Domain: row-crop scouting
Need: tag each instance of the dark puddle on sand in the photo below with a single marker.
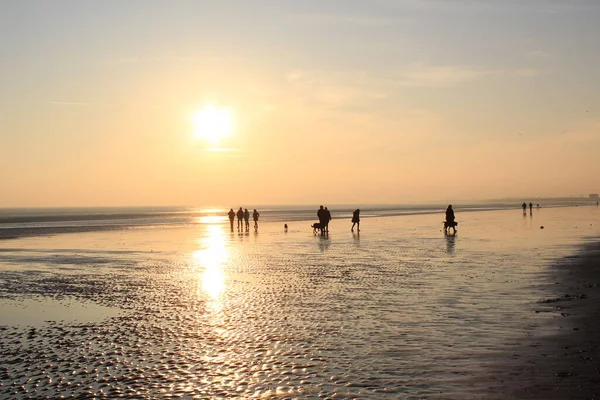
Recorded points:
(40, 310)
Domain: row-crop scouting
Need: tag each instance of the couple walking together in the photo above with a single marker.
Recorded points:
(243, 217)
(324, 216)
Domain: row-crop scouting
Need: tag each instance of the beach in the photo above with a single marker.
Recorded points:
(503, 309)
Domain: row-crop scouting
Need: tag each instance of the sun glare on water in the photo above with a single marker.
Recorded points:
(212, 124)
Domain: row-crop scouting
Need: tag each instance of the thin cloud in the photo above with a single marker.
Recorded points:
(221, 150)
(335, 89)
(538, 54)
(337, 19)
(450, 76)
(69, 103)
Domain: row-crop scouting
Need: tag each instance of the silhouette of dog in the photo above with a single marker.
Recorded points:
(318, 227)
(448, 225)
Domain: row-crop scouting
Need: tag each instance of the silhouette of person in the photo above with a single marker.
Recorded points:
(450, 222)
(231, 214)
(450, 214)
(327, 219)
(321, 215)
(247, 218)
(356, 220)
(255, 216)
(285, 227)
(524, 205)
(240, 217)
(530, 208)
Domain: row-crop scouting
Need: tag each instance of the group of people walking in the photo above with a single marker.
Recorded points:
(524, 206)
(243, 218)
(324, 216)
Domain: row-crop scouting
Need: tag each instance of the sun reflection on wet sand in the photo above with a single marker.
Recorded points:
(211, 257)
(212, 219)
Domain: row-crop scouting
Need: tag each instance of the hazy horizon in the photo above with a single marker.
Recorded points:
(111, 103)
(461, 202)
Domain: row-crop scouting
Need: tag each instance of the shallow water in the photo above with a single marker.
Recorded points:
(399, 311)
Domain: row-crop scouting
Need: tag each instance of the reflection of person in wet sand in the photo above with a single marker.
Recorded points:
(247, 218)
(450, 244)
(356, 220)
(240, 217)
(231, 214)
(255, 216)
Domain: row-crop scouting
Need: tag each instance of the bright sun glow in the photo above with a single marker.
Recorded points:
(212, 124)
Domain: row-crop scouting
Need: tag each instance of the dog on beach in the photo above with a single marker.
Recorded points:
(448, 225)
(318, 227)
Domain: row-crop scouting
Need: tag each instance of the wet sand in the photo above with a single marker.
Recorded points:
(400, 311)
(565, 362)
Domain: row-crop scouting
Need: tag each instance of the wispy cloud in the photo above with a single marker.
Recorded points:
(221, 150)
(456, 75)
(538, 54)
(69, 103)
(335, 89)
(338, 19)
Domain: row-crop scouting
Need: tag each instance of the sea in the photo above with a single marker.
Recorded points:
(173, 303)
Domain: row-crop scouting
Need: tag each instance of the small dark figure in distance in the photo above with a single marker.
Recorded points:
(524, 205)
(240, 218)
(356, 220)
(530, 208)
(318, 228)
(247, 218)
(231, 215)
(285, 227)
(450, 222)
(255, 216)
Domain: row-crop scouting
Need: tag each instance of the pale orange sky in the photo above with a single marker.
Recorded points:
(335, 102)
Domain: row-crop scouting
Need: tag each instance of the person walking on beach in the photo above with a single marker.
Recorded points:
(231, 214)
(450, 222)
(356, 220)
(321, 214)
(240, 217)
(450, 214)
(524, 205)
(255, 216)
(327, 219)
(247, 219)
(530, 208)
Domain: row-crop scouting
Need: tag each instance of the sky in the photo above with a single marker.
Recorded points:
(331, 101)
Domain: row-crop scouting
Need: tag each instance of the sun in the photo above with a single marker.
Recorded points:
(212, 123)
